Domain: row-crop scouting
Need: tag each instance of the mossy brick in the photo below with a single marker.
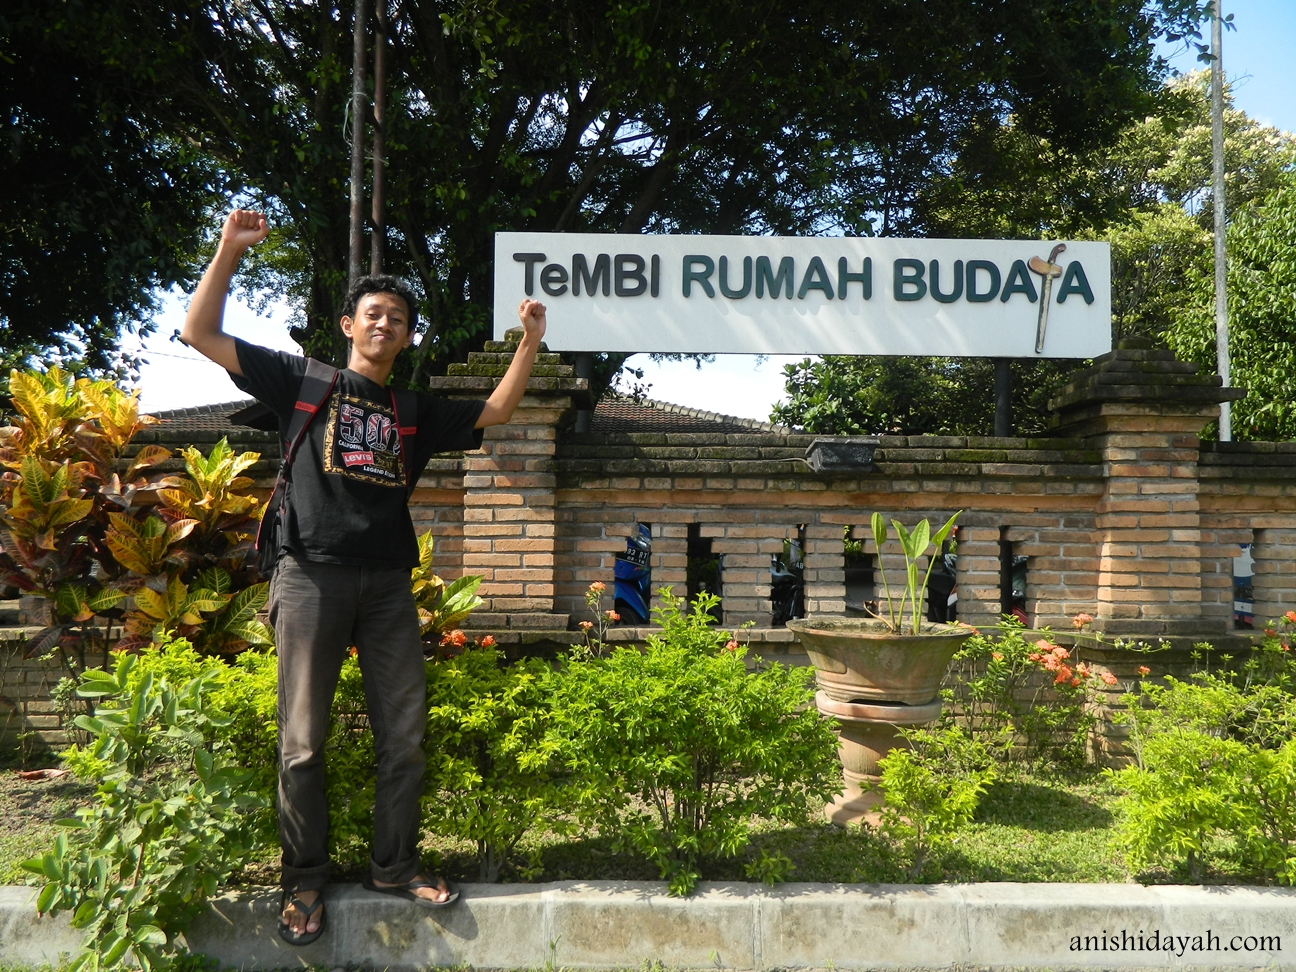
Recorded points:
(977, 455)
(695, 438)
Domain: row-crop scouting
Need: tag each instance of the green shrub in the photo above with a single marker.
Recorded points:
(932, 788)
(169, 827)
(244, 690)
(489, 774)
(1215, 767)
(673, 750)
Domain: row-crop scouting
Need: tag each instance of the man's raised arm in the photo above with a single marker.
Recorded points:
(203, 329)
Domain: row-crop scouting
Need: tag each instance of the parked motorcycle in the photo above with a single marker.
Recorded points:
(787, 583)
(633, 574)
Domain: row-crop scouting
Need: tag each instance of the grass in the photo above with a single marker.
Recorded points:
(28, 810)
(1028, 829)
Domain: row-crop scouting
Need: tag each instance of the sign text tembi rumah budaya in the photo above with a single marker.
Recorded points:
(810, 295)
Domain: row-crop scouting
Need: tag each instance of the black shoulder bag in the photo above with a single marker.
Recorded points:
(317, 385)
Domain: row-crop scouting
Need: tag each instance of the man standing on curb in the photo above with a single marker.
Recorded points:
(343, 573)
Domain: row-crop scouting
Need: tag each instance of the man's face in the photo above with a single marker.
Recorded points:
(380, 327)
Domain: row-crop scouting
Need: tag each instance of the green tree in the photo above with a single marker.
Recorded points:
(684, 117)
(1148, 194)
(98, 211)
(1262, 304)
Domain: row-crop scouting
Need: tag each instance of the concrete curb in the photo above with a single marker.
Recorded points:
(612, 924)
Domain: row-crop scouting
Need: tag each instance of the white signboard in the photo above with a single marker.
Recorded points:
(810, 295)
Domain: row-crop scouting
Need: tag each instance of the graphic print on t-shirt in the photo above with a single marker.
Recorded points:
(362, 441)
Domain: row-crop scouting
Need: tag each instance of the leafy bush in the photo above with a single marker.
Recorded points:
(83, 537)
(168, 828)
(1215, 767)
(441, 606)
(244, 691)
(932, 788)
(673, 750)
(489, 776)
(1028, 702)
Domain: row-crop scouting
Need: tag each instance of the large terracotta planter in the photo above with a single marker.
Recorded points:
(859, 660)
(868, 731)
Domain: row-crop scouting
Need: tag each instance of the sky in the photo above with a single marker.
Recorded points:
(1257, 58)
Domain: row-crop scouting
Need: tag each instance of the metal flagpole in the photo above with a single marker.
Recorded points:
(378, 227)
(1217, 197)
(359, 109)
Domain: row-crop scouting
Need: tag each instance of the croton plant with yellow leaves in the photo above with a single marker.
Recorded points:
(98, 529)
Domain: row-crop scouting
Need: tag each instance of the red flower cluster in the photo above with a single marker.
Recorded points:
(1081, 619)
(598, 586)
(487, 642)
(455, 639)
(1290, 616)
(612, 615)
(731, 645)
(1144, 670)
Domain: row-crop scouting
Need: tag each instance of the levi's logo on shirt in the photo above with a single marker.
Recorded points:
(361, 441)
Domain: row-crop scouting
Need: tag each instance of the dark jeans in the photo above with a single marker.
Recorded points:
(318, 612)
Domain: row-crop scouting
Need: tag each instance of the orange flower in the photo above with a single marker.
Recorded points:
(586, 625)
(456, 638)
(1270, 632)
(1052, 663)
(1081, 619)
(1285, 648)
(1075, 683)
(488, 641)
(731, 645)
(1064, 674)
(612, 616)
(354, 651)
(1059, 652)
(1035, 656)
(1144, 670)
(1109, 678)
(598, 586)
(997, 655)
(1083, 670)
(1290, 616)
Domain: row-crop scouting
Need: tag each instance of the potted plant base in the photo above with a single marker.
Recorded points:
(867, 731)
(878, 676)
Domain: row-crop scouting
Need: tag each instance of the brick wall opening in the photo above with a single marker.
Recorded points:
(704, 568)
(1012, 579)
(787, 580)
(861, 586)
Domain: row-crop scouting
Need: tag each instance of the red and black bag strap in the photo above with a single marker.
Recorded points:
(405, 402)
(316, 387)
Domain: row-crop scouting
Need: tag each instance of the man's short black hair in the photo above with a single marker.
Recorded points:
(382, 283)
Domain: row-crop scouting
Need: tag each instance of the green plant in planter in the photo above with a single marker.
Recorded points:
(914, 545)
(676, 748)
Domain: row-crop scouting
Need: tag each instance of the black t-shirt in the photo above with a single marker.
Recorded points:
(347, 501)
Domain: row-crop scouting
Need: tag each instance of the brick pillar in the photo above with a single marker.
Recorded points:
(1143, 411)
(508, 536)
(825, 570)
(669, 559)
(978, 573)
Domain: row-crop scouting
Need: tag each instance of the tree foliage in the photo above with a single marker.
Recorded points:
(709, 115)
(99, 207)
(1148, 194)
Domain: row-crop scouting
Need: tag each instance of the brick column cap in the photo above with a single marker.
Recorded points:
(1136, 376)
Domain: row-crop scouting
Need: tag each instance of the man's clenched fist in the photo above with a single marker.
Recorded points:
(244, 228)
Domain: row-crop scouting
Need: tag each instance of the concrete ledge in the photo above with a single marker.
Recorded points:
(607, 924)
